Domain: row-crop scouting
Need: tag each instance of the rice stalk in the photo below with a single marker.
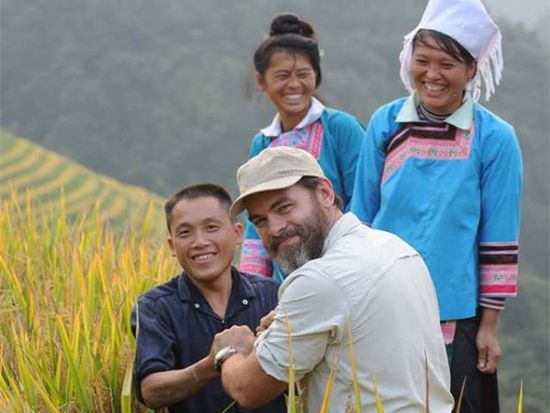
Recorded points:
(379, 405)
(127, 389)
(292, 400)
(328, 391)
(459, 402)
(520, 398)
(355, 376)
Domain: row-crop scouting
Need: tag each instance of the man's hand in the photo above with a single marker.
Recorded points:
(265, 322)
(487, 342)
(242, 375)
(241, 338)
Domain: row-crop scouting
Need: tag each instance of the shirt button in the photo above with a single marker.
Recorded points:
(245, 301)
(197, 305)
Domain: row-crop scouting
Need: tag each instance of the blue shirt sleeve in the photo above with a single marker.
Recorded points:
(348, 134)
(155, 341)
(501, 186)
(365, 200)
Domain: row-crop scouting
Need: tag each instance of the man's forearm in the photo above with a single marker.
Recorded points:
(246, 382)
(169, 387)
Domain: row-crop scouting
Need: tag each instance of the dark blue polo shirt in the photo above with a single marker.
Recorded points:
(177, 326)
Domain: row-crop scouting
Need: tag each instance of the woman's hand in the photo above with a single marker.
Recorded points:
(487, 342)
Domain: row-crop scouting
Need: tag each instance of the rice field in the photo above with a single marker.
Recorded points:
(25, 166)
(66, 293)
(76, 250)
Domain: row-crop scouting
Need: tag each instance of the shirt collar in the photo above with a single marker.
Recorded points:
(461, 118)
(240, 287)
(344, 224)
(315, 111)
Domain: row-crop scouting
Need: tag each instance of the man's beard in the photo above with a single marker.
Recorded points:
(311, 235)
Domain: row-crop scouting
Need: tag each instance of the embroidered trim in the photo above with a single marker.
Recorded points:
(314, 113)
(448, 328)
(308, 138)
(498, 266)
(255, 259)
(493, 303)
(427, 141)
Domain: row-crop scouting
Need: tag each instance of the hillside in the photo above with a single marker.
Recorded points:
(29, 167)
(158, 94)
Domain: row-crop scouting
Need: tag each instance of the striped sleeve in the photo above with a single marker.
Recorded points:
(498, 266)
(255, 259)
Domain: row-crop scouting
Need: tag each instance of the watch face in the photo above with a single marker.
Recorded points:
(222, 352)
(223, 355)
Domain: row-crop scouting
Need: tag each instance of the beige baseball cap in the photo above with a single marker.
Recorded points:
(273, 168)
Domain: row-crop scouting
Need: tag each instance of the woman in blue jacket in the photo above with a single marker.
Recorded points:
(288, 72)
(445, 174)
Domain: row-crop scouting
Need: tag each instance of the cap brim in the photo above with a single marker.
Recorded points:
(238, 205)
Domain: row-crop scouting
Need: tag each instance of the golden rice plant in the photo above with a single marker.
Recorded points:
(520, 398)
(295, 403)
(66, 294)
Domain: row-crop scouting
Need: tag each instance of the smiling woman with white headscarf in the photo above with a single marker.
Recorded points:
(445, 174)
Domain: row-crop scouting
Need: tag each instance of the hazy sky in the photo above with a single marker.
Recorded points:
(529, 12)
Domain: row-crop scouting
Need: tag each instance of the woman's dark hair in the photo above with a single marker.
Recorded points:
(445, 43)
(287, 33)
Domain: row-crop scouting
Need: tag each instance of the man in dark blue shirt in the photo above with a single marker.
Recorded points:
(175, 322)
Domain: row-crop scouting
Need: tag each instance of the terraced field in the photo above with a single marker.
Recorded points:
(26, 167)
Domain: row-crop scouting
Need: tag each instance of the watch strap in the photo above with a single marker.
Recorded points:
(222, 355)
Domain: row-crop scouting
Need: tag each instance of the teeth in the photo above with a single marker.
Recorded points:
(203, 257)
(433, 88)
(293, 97)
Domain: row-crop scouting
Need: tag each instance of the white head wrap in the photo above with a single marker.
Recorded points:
(467, 22)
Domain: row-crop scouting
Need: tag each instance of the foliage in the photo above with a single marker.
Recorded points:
(154, 93)
(157, 94)
(66, 294)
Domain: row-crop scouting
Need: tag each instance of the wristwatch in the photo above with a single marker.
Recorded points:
(222, 355)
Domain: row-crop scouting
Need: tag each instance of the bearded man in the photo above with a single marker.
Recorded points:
(358, 306)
